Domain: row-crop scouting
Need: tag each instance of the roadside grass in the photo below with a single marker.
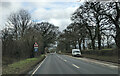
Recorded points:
(107, 49)
(113, 59)
(22, 67)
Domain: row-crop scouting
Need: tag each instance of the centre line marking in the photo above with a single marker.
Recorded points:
(75, 66)
(65, 60)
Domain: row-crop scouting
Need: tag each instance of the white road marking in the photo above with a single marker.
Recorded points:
(75, 66)
(60, 57)
(38, 66)
(97, 62)
(65, 60)
(69, 62)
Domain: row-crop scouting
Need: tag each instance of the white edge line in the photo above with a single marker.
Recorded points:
(96, 62)
(75, 66)
(38, 66)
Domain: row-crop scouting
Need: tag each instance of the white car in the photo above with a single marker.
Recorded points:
(76, 52)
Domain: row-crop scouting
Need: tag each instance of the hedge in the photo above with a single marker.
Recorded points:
(103, 52)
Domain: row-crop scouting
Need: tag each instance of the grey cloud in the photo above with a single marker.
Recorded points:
(5, 4)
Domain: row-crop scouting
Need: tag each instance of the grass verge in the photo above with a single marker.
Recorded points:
(23, 66)
(113, 59)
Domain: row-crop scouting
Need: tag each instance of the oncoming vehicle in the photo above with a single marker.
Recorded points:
(76, 52)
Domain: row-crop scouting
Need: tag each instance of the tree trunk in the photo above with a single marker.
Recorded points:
(103, 45)
(117, 38)
(93, 44)
(92, 38)
(108, 46)
(83, 44)
(99, 38)
(79, 41)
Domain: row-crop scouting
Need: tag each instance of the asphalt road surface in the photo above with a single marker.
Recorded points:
(62, 64)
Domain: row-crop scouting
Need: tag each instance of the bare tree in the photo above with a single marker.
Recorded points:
(49, 33)
(19, 21)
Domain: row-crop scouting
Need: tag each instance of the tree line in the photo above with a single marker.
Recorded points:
(93, 25)
(21, 33)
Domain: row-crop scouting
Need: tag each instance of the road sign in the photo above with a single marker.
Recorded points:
(36, 49)
(36, 45)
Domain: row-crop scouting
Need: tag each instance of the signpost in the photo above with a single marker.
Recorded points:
(36, 47)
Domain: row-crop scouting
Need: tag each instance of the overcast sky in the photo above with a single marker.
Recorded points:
(57, 12)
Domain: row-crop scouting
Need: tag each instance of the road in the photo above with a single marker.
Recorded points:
(0, 57)
(62, 64)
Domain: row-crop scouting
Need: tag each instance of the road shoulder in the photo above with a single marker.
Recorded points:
(103, 63)
(33, 71)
